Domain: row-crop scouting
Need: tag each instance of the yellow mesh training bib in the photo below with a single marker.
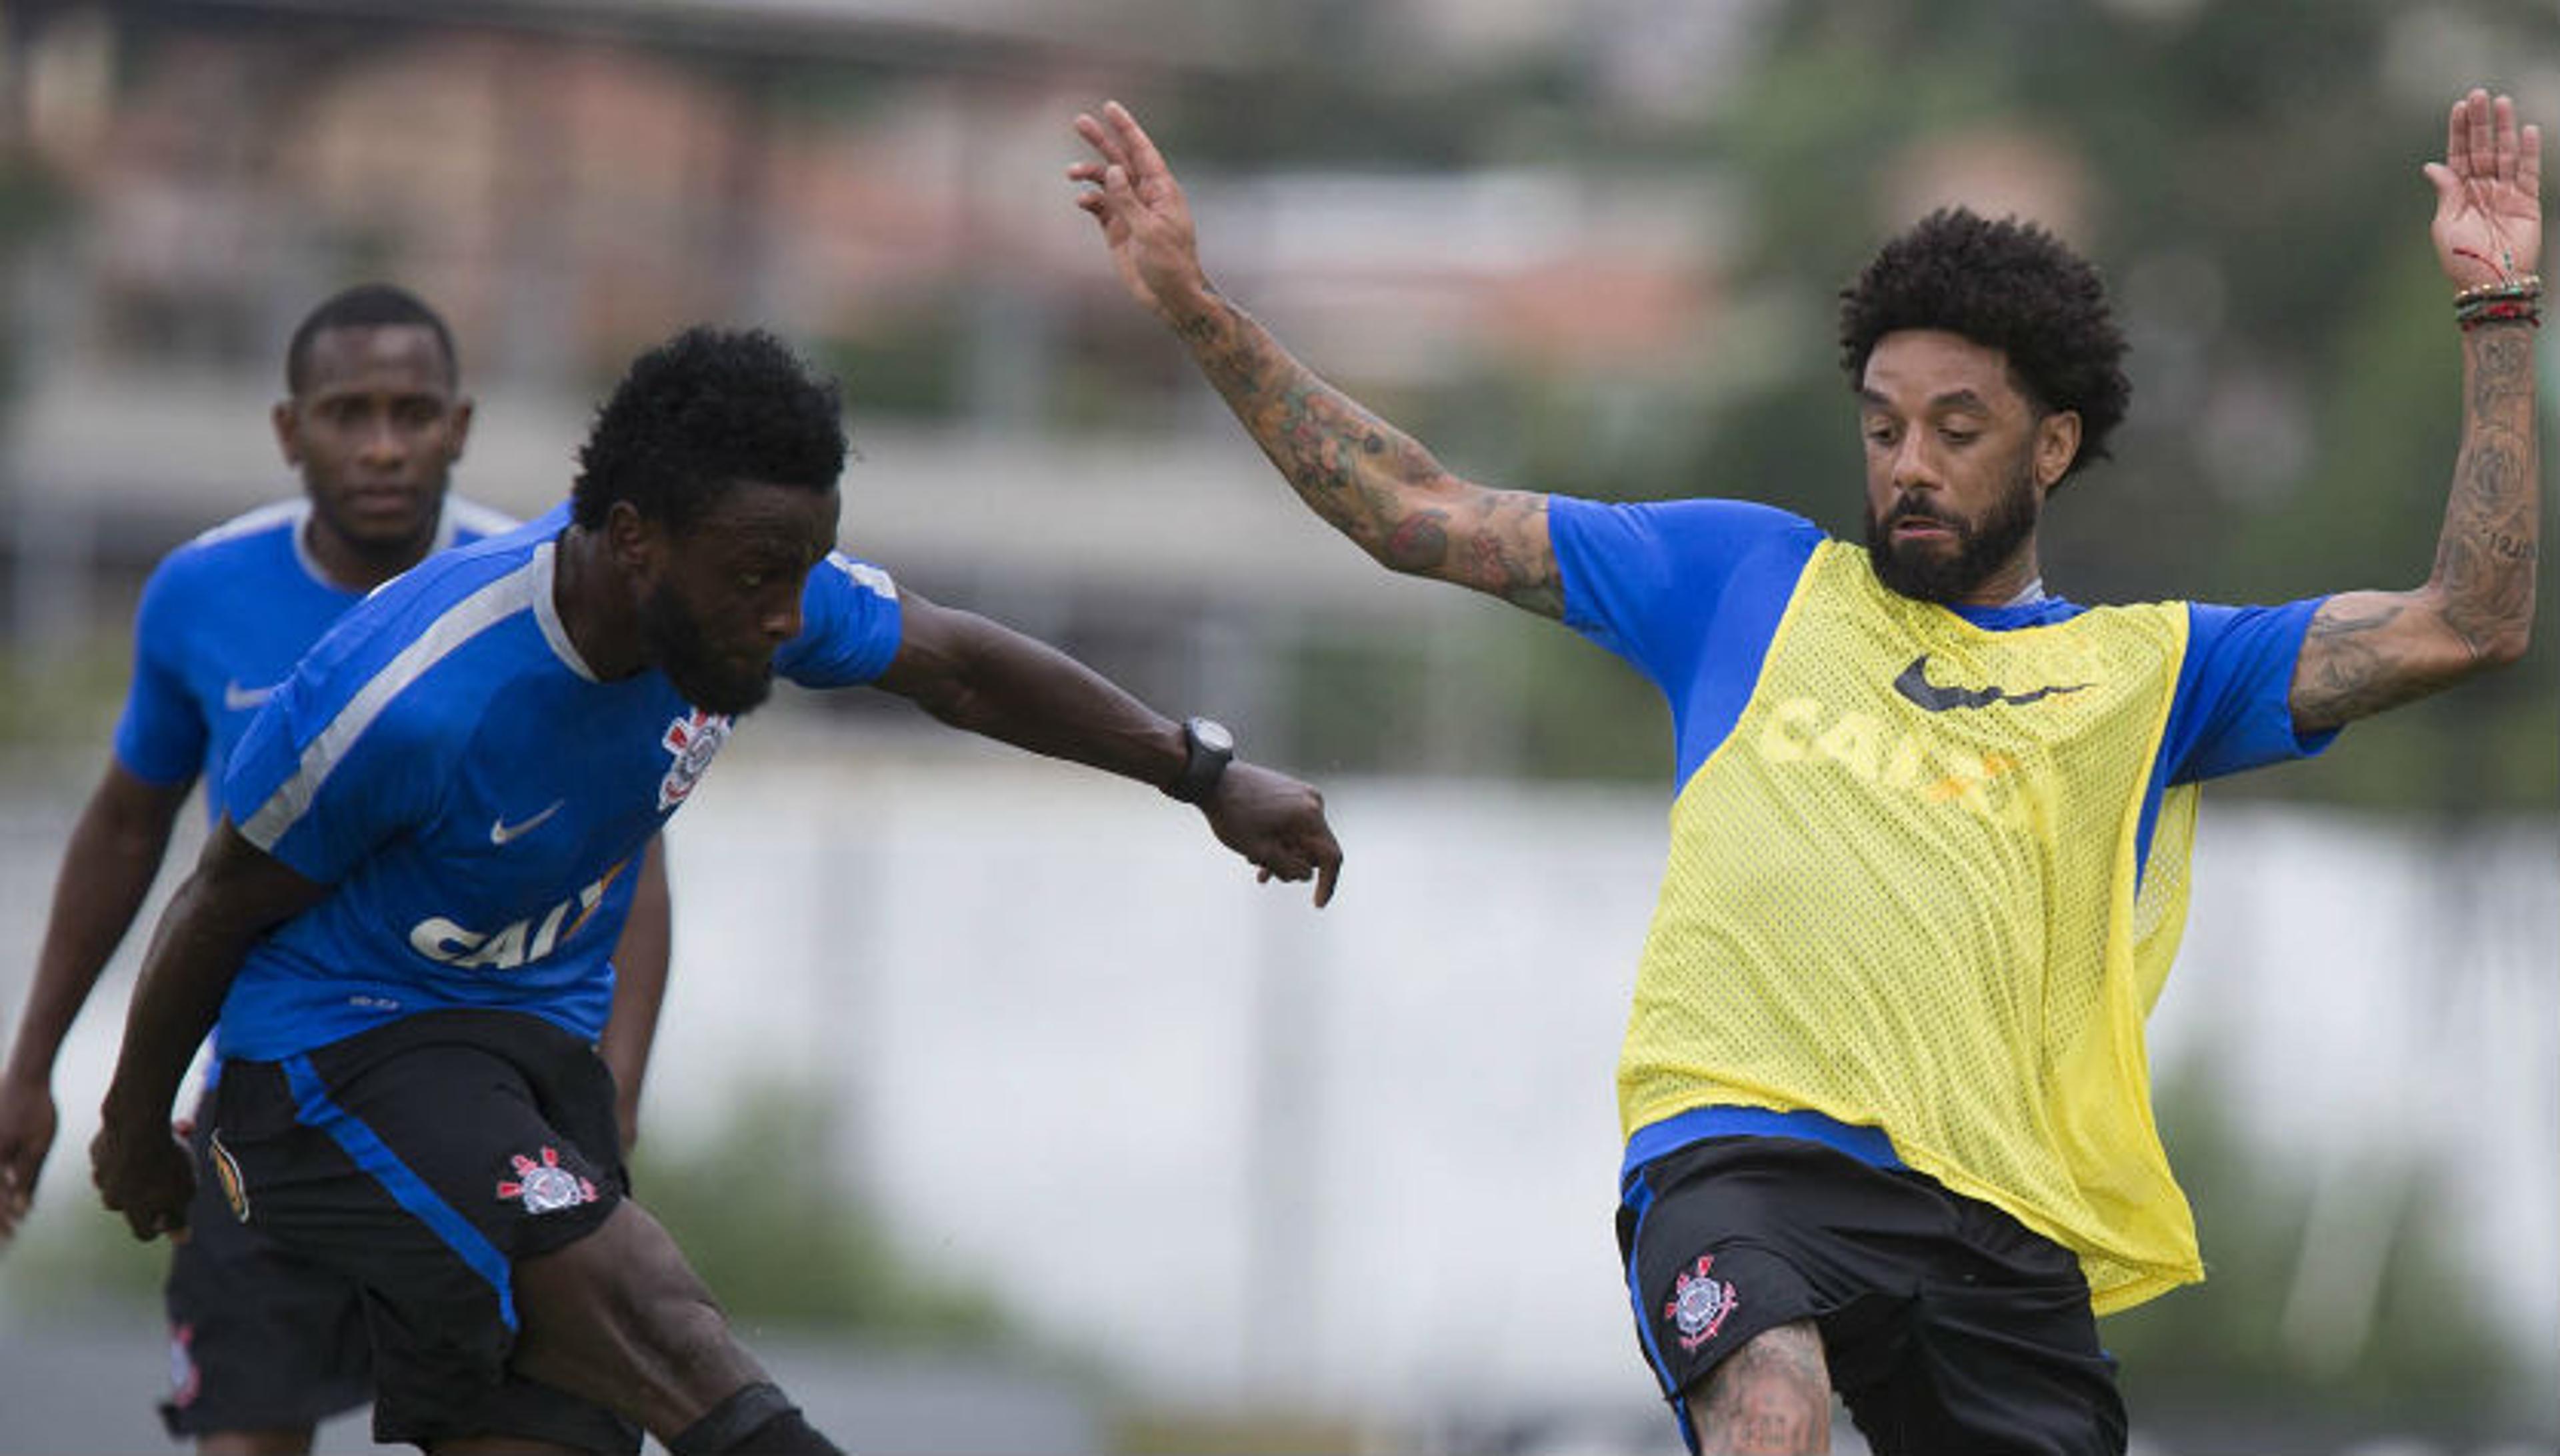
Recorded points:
(1902, 892)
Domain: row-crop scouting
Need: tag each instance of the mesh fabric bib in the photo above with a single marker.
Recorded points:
(1903, 892)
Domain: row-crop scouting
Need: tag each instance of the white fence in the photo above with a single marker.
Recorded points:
(1365, 1157)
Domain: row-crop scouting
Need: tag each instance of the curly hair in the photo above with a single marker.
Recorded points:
(364, 306)
(2005, 285)
(698, 413)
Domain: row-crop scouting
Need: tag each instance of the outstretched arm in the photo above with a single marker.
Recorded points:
(2371, 650)
(107, 867)
(974, 674)
(1370, 480)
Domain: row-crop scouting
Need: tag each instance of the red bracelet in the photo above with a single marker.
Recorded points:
(2498, 311)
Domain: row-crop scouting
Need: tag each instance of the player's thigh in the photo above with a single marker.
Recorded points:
(1980, 1375)
(1732, 1236)
(423, 1161)
(1770, 1398)
(261, 1342)
(1998, 1352)
(621, 1315)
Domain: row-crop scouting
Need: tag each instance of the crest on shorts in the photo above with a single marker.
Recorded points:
(546, 1187)
(693, 738)
(186, 1381)
(227, 1173)
(1700, 1302)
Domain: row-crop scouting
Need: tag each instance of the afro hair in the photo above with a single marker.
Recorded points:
(701, 412)
(2007, 286)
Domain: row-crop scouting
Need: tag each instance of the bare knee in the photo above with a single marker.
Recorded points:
(1771, 1397)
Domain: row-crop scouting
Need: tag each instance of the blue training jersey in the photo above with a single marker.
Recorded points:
(476, 798)
(1690, 592)
(223, 619)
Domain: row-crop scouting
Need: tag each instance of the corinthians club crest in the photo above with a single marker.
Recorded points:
(1699, 1304)
(692, 740)
(546, 1187)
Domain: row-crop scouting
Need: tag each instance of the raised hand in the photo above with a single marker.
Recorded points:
(1145, 220)
(2489, 194)
(1276, 822)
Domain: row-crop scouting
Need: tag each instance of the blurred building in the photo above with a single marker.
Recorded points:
(882, 183)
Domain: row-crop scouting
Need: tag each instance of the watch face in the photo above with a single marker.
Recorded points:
(1212, 735)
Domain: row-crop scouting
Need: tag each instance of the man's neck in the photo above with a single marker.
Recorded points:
(2017, 583)
(357, 568)
(596, 616)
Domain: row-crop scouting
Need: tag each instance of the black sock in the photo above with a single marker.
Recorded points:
(787, 1435)
(755, 1419)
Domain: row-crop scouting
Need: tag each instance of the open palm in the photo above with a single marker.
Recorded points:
(2489, 193)
(1144, 219)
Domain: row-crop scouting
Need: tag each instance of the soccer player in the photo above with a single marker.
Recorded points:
(1884, 1089)
(264, 1345)
(426, 844)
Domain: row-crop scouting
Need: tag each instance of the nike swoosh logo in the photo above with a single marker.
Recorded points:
(240, 700)
(1914, 685)
(502, 832)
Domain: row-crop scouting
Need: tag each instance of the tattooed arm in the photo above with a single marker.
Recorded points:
(1370, 480)
(2371, 650)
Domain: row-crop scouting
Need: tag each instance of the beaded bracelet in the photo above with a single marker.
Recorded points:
(2507, 300)
(2514, 285)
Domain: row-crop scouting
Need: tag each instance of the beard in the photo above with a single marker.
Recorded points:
(1928, 573)
(709, 680)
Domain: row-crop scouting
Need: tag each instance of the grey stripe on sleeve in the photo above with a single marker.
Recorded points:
(460, 622)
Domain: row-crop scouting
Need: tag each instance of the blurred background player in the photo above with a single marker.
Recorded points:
(265, 1344)
(1884, 1086)
(401, 917)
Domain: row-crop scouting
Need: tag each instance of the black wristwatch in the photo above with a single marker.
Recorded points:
(1208, 748)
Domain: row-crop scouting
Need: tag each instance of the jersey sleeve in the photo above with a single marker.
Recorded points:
(850, 625)
(1644, 579)
(320, 781)
(162, 737)
(2234, 710)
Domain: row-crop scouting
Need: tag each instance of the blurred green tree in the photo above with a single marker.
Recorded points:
(2263, 1341)
(2254, 196)
(2245, 174)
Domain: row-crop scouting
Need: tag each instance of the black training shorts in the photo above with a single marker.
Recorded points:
(1947, 1325)
(422, 1160)
(259, 1339)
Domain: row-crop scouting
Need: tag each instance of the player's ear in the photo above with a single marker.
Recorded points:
(457, 426)
(2057, 444)
(637, 543)
(286, 437)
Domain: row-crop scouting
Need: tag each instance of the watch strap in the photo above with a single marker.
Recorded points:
(1206, 757)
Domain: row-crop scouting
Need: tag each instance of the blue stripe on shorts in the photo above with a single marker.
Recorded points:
(311, 1105)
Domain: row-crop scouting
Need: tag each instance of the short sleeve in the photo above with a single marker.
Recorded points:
(320, 805)
(1645, 580)
(2234, 708)
(162, 737)
(850, 625)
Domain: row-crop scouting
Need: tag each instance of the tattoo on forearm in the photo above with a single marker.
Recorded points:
(2484, 559)
(1420, 543)
(1368, 479)
(2370, 651)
